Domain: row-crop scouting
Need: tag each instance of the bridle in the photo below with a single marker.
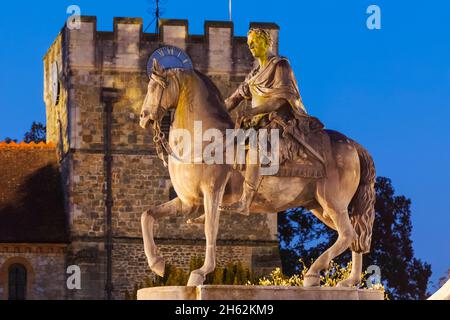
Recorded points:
(159, 138)
(163, 83)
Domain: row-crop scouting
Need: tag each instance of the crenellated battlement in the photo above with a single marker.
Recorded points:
(215, 51)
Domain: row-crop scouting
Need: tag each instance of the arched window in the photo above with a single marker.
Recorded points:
(17, 282)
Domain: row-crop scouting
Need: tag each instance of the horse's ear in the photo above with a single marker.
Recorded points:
(157, 67)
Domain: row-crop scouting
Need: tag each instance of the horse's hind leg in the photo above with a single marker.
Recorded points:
(346, 234)
(323, 216)
(155, 261)
(355, 275)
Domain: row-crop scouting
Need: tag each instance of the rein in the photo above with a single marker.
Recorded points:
(161, 143)
(163, 148)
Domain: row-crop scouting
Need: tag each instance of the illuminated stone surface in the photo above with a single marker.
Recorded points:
(231, 292)
(443, 293)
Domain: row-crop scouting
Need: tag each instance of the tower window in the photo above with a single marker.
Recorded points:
(17, 282)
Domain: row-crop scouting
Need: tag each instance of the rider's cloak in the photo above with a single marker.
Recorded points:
(275, 80)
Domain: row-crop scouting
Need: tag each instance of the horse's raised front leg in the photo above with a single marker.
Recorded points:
(155, 261)
(212, 198)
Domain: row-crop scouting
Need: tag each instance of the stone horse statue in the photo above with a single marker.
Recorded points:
(343, 199)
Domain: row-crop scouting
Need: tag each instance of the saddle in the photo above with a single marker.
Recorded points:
(301, 145)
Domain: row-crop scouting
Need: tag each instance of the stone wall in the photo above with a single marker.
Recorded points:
(57, 115)
(89, 254)
(85, 196)
(130, 265)
(45, 265)
(138, 182)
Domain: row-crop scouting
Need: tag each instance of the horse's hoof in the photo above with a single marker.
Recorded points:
(195, 279)
(198, 220)
(347, 283)
(311, 280)
(235, 208)
(158, 266)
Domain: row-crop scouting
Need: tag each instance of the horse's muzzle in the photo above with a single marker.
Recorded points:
(145, 118)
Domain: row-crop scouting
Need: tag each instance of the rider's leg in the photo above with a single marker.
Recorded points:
(251, 185)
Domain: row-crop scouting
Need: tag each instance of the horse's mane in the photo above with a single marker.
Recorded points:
(210, 85)
(214, 96)
(212, 88)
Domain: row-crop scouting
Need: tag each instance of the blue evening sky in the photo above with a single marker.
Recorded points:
(389, 89)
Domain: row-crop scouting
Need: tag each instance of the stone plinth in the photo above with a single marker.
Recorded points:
(231, 292)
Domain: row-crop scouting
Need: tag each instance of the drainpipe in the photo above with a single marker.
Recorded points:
(109, 96)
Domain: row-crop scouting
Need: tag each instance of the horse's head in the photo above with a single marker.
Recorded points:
(162, 94)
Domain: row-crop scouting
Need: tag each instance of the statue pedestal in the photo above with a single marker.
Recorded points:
(231, 292)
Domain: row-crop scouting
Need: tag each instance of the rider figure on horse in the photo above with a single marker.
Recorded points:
(273, 91)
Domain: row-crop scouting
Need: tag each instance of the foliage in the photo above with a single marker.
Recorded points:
(9, 140)
(233, 273)
(302, 235)
(277, 278)
(442, 280)
(37, 133)
(236, 274)
(330, 278)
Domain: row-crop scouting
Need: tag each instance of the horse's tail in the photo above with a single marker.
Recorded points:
(362, 206)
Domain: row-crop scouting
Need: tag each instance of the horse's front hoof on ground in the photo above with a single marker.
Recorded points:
(158, 266)
(236, 208)
(311, 280)
(349, 282)
(195, 279)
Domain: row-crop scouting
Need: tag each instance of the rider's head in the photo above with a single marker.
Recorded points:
(259, 42)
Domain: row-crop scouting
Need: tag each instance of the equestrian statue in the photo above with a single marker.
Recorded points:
(322, 170)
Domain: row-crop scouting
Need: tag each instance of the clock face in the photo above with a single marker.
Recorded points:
(55, 83)
(169, 57)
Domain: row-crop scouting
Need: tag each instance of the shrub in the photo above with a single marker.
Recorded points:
(233, 273)
(237, 274)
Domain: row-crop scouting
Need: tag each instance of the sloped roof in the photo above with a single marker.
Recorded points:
(31, 195)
